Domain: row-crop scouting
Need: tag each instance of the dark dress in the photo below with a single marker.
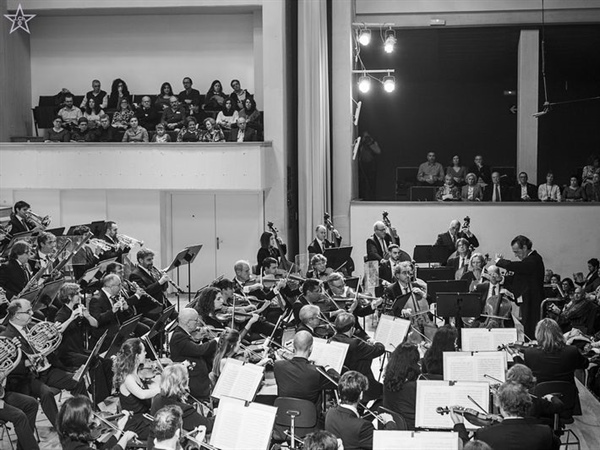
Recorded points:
(137, 422)
(403, 402)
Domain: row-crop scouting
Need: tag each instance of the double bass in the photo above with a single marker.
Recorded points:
(284, 263)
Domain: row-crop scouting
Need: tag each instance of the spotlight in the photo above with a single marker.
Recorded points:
(364, 36)
(389, 83)
(364, 84)
(390, 41)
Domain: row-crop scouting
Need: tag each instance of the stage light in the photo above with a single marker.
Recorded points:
(389, 83)
(364, 84)
(390, 41)
(364, 36)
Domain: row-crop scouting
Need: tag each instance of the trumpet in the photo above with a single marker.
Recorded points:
(102, 244)
(129, 241)
(37, 220)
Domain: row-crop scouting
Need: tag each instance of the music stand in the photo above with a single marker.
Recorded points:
(158, 326)
(399, 304)
(86, 367)
(72, 228)
(124, 332)
(337, 257)
(98, 227)
(429, 254)
(436, 273)
(47, 291)
(458, 305)
(185, 256)
(94, 274)
(18, 237)
(439, 286)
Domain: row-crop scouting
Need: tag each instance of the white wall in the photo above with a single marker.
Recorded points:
(564, 234)
(144, 50)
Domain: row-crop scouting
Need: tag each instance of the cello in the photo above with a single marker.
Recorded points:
(284, 263)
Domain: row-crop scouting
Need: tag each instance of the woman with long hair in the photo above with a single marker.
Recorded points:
(92, 112)
(207, 303)
(75, 423)
(215, 97)
(163, 98)
(133, 394)
(443, 341)
(228, 115)
(400, 382)
(118, 92)
(251, 114)
(268, 248)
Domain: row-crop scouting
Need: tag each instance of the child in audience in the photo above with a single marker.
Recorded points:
(190, 132)
(161, 135)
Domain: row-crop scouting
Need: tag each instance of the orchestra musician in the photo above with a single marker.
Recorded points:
(403, 287)
(15, 274)
(489, 289)
(476, 265)
(268, 248)
(386, 268)
(152, 281)
(459, 260)
(119, 248)
(87, 257)
(210, 301)
(282, 292)
(312, 294)
(41, 259)
(577, 313)
(21, 410)
(36, 381)
(445, 340)
(319, 269)
(378, 244)
(454, 233)
(19, 222)
(320, 243)
(184, 347)
(166, 428)
(310, 318)
(360, 353)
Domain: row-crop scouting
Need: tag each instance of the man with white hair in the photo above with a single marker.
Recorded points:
(378, 244)
(454, 233)
(147, 115)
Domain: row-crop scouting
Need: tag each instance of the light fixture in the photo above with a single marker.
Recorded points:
(389, 83)
(364, 36)
(390, 41)
(364, 84)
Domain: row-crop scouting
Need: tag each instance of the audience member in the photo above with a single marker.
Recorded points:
(456, 171)
(524, 191)
(251, 114)
(118, 92)
(161, 135)
(147, 116)
(104, 133)
(135, 133)
(228, 115)
(400, 382)
(482, 172)
(82, 132)
(576, 313)
(213, 133)
(189, 96)
(430, 173)
(239, 95)
(495, 192)
(242, 133)
(592, 190)
(472, 192)
(97, 94)
(92, 112)
(163, 100)
(199, 114)
(190, 132)
(57, 133)
(592, 279)
(215, 98)
(449, 192)
(123, 115)
(592, 167)
(174, 116)
(69, 113)
(549, 192)
(573, 192)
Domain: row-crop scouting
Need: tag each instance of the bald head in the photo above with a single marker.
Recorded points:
(188, 319)
(303, 342)
(454, 227)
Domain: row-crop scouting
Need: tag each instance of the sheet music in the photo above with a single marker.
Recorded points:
(420, 440)
(238, 426)
(391, 331)
(331, 354)
(472, 366)
(238, 380)
(484, 339)
(436, 393)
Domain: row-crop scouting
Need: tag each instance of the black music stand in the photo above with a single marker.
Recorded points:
(399, 304)
(185, 256)
(458, 305)
(18, 237)
(158, 326)
(438, 286)
(430, 254)
(56, 231)
(338, 257)
(91, 276)
(436, 273)
(86, 367)
(98, 227)
(72, 228)
(43, 295)
(126, 329)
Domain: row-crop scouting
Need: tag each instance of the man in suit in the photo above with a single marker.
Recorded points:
(154, 283)
(320, 243)
(386, 268)
(345, 422)
(403, 291)
(243, 133)
(489, 289)
(528, 282)
(21, 410)
(46, 246)
(15, 274)
(183, 347)
(298, 377)
(495, 192)
(18, 219)
(309, 317)
(454, 233)
(592, 279)
(147, 115)
(378, 244)
(110, 236)
(515, 431)
(524, 191)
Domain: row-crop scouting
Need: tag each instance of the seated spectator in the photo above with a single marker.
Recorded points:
(592, 190)
(189, 96)
(174, 116)
(69, 114)
(161, 135)
(147, 116)
(163, 99)
(82, 132)
(239, 95)
(190, 132)
(591, 282)
(472, 192)
(524, 191)
(215, 98)
(592, 167)
(573, 192)
(400, 382)
(251, 114)
(118, 92)
(135, 133)
(457, 171)
(430, 173)
(576, 313)
(213, 133)
(57, 133)
(242, 133)
(228, 116)
(99, 96)
(198, 114)
(449, 192)
(92, 113)
(549, 192)
(122, 117)
(481, 171)
(104, 133)
(495, 192)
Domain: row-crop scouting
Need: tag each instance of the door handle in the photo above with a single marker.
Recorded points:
(218, 243)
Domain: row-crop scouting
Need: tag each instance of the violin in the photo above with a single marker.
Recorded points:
(477, 418)
(150, 368)
(103, 428)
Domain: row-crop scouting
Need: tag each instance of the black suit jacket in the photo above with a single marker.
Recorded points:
(484, 172)
(12, 278)
(184, 348)
(101, 310)
(152, 287)
(528, 282)
(17, 226)
(360, 355)
(355, 433)
(489, 192)
(116, 253)
(445, 240)
(315, 249)
(299, 378)
(249, 135)
(532, 192)
(374, 250)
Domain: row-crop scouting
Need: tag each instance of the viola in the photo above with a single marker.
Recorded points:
(477, 418)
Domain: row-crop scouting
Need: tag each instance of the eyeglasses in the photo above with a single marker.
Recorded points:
(29, 311)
